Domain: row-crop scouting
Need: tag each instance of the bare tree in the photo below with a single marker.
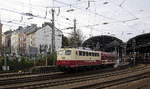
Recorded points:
(65, 41)
(76, 38)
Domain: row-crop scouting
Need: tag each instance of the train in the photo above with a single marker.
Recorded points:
(73, 58)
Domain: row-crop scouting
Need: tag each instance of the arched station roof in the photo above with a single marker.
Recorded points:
(102, 43)
(140, 41)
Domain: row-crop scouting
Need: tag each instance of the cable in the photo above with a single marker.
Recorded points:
(87, 10)
(27, 5)
(10, 25)
(122, 3)
(12, 22)
(25, 14)
(120, 6)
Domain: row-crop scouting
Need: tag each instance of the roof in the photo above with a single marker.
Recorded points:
(50, 25)
(33, 28)
(102, 43)
(139, 41)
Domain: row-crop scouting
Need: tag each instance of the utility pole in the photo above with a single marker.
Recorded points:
(74, 25)
(75, 34)
(53, 31)
(53, 36)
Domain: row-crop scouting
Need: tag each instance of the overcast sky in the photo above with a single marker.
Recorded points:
(123, 19)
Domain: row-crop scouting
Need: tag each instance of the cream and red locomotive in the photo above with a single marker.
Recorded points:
(71, 58)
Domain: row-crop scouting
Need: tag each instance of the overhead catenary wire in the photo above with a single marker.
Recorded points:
(87, 10)
(11, 26)
(33, 5)
(56, 1)
(122, 3)
(93, 12)
(80, 9)
(66, 3)
(22, 13)
(129, 12)
(118, 21)
(135, 18)
(3, 21)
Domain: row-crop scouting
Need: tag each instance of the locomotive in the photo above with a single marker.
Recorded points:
(73, 58)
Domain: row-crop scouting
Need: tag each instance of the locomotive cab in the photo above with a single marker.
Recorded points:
(65, 57)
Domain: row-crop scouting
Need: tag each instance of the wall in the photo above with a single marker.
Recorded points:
(44, 37)
(14, 43)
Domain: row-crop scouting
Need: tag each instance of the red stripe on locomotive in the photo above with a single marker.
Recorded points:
(77, 63)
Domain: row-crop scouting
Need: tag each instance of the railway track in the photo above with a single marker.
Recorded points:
(7, 75)
(118, 81)
(48, 82)
(27, 78)
(139, 82)
(38, 71)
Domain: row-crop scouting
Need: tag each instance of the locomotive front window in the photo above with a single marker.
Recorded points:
(61, 52)
(68, 52)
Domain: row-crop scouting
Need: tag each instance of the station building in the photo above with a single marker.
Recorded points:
(139, 48)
